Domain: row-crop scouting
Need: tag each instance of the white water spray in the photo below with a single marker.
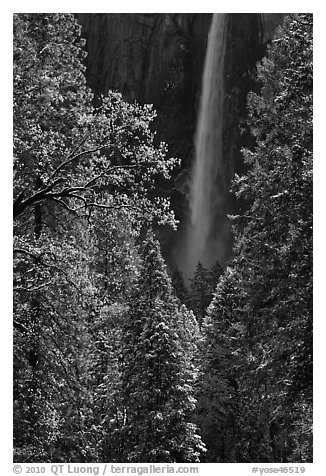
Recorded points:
(205, 191)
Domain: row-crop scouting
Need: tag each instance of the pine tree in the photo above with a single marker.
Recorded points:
(275, 233)
(201, 288)
(179, 287)
(199, 292)
(258, 333)
(221, 355)
(157, 377)
(215, 273)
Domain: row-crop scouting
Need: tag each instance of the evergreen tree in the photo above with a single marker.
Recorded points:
(179, 287)
(215, 273)
(84, 185)
(221, 355)
(157, 378)
(276, 242)
(201, 288)
(258, 333)
(199, 292)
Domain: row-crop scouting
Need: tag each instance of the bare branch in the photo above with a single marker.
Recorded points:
(47, 192)
(20, 205)
(64, 205)
(19, 326)
(21, 250)
(113, 207)
(72, 158)
(110, 170)
(79, 197)
(71, 154)
(36, 257)
(32, 288)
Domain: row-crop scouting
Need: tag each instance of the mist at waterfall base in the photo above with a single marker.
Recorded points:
(208, 229)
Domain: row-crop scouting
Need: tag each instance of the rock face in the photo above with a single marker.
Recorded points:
(159, 58)
(134, 53)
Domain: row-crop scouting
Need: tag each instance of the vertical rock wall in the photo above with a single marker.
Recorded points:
(158, 58)
(134, 52)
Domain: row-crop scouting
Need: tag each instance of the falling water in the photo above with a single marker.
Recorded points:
(205, 191)
(269, 22)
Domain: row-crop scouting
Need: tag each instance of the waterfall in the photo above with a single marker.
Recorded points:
(269, 22)
(206, 194)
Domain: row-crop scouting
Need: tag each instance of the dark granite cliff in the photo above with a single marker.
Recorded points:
(151, 58)
(159, 58)
(134, 53)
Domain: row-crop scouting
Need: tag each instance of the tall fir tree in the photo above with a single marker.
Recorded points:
(157, 377)
(201, 288)
(258, 339)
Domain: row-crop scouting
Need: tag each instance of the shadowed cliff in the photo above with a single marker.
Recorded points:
(159, 58)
